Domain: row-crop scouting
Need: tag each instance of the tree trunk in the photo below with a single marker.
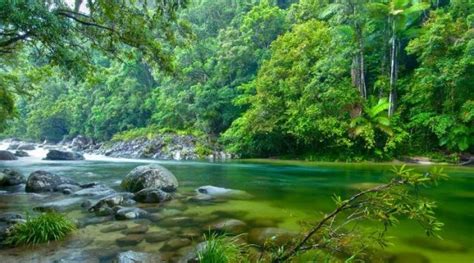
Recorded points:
(358, 63)
(393, 72)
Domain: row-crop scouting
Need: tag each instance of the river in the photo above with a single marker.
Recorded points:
(280, 194)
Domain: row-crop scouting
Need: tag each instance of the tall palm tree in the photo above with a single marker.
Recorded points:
(401, 16)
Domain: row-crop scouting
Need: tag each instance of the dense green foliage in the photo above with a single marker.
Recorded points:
(40, 229)
(346, 80)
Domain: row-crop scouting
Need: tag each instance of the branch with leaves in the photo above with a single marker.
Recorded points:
(386, 203)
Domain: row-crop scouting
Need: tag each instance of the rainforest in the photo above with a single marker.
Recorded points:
(293, 127)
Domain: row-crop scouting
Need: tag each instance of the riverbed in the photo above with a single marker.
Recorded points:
(278, 195)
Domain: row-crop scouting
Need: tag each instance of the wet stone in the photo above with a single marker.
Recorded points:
(159, 236)
(94, 220)
(276, 236)
(231, 226)
(191, 233)
(130, 240)
(130, 213)
(176, 243)
(114, 227)
(79, 243)
(176, 221)
(140, 229)
(134, 257)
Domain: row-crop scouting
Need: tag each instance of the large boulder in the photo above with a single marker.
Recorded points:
(7, 156)
(63, 156)
(42, 181)
(151, 195)
(26, 147)
(150, 176)
(9, 177)
(81, 143)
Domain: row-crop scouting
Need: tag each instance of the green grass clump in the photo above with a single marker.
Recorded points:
(40, 229)
(221, 249)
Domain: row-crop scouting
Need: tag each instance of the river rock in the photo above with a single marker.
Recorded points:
(68, 188)
(151, 195)
(130, 213)
(158, 236)
(140, 229)
(277, 236)
(7, 156)
(20, 153)
(13, 146)
(150, 176)
(215, 191)
(135, 257)
(175, 243)
(42, 181)
(58, 155)
(114, 228)
(130, 240)
(94, 220)
(80, 143)
(11, 217)
(26, 147)
(9, 177)
(231, 226)
(110, 201)
(176, 221)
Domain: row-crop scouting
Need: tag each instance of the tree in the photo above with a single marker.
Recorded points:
(402, 15)
(60, 33)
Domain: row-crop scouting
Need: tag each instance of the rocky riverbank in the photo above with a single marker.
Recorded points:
(165, 147)
(145, 220)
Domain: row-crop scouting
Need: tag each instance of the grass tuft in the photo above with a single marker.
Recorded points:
(40, 229)
(221, 249)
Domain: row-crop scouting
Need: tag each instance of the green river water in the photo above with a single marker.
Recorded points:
(283, 193)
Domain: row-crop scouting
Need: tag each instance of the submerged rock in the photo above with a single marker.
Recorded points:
(159, 236)
(58, 155)
(20, 153)
(151, 195)
(114, 228)
(42, 181)
(130, 213)
(175, 243)
(9, 177)
(130, 240)
(140, 229)
(214, 191)
(275, 236)
(231, 226)
(135, 257)
(150, 176)
(110, 201)
(7, 156)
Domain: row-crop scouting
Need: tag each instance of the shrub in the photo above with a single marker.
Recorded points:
(40, 229)
(220, 249)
